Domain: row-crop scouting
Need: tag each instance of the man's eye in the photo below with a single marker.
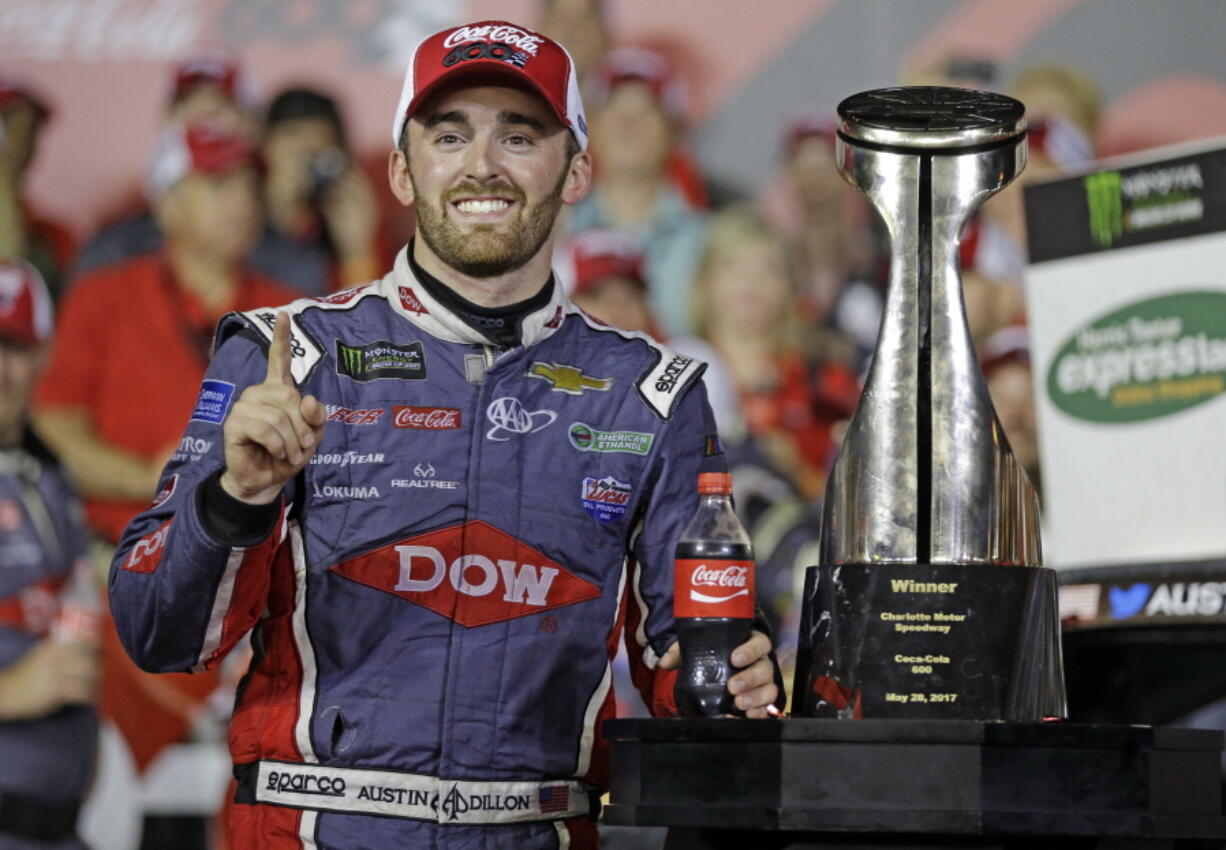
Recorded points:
(519, 140)
(448, 138)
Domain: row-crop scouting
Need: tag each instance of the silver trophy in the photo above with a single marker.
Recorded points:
(930, 548)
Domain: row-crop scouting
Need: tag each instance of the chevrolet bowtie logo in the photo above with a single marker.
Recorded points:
(568, 379)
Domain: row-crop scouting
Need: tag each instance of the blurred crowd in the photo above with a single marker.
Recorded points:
(251, 203)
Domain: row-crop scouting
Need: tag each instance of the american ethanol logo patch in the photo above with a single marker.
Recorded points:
(1149, 359)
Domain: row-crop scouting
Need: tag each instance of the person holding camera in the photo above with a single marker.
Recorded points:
(316, 195)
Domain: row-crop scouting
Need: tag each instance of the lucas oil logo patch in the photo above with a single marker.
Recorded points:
(381, 359)
(606, 498)
(213, 401)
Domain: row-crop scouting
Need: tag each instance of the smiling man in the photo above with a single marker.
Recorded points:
(437, 501)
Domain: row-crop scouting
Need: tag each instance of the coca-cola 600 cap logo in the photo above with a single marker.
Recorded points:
(425, 418)
(713, 588)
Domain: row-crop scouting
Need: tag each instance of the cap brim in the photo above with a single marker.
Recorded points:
(491, 69)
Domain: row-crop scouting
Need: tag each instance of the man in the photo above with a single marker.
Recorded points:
(438, 578)
(48, 600)
(636, 137)
(316, 196)
(205, 89)
(46, 244)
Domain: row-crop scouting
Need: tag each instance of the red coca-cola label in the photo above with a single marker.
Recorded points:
(709, 587)
(426, 418)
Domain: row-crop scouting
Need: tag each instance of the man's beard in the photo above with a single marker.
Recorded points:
(487, 251)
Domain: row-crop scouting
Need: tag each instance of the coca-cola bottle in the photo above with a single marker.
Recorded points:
(713, 602)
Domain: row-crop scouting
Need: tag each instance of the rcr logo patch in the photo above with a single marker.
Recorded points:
(474, 574)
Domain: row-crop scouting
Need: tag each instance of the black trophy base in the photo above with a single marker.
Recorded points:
(799, 783)
(929, 642)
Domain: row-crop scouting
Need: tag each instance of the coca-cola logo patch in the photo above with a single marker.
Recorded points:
(708, 587)
(473, 574)
(425, 418)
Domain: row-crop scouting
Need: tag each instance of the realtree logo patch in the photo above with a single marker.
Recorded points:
(1149, 359)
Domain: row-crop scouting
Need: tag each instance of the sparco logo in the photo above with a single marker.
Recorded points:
(302, 783)
(730, 577)
(667, 382)
(508, 416)
(426, 418)
(471, 573)
(514, 36)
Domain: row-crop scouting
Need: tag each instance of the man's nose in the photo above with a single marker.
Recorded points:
(481, 160)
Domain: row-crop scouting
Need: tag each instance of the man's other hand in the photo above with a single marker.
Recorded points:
(754, 686)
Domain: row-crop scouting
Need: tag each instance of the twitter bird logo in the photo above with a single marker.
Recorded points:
(1128, 601)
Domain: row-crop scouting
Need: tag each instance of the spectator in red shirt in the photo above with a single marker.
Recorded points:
(132, 336)
(45, 244)
(132, 344)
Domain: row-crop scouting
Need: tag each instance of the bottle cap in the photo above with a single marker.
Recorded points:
(714, 482)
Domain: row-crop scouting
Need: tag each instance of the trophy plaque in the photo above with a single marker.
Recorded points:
(929, 600)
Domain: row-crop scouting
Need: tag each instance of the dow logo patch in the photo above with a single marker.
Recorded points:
(381, 359)
(473, 574)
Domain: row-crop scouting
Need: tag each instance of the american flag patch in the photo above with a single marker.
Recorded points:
(555, 798)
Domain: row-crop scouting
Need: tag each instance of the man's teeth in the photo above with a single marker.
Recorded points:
(482, 206)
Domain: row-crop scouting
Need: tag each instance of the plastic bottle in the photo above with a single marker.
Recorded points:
(713, 601)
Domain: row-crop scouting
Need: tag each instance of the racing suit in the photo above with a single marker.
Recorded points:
(436, 599)
(46, 763)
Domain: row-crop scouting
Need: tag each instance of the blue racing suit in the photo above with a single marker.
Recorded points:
(436, 598)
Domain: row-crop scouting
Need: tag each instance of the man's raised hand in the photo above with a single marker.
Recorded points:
(272, 430)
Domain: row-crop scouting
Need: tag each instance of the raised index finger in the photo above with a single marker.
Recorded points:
(279, 353)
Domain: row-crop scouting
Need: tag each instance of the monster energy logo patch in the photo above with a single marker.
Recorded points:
(381, 359)
(1106, 207)
(588, 439)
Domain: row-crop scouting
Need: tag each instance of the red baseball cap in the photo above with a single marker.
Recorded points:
(26, 316)
(494, 47)
(809, 122)
(647, 66)
(599, 254)
(196, 149)
(13, 90)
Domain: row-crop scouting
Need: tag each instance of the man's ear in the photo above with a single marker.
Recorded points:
(578, 178)
(398, 178)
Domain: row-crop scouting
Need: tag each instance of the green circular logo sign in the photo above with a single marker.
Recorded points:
(581, 435)
(1147, 360)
